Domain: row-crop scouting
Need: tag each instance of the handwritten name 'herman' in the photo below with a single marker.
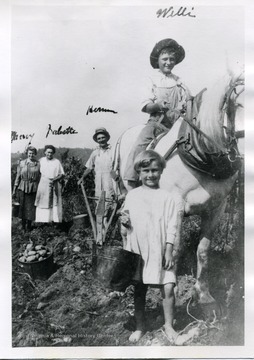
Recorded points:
(59, 131)
(91, 109)
(171, 12)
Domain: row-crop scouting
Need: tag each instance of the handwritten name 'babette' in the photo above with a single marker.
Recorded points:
(59, 131)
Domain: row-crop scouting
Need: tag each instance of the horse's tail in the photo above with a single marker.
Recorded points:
(121, 152)
(116, 155)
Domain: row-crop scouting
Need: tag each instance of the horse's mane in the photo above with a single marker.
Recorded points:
(210, 117)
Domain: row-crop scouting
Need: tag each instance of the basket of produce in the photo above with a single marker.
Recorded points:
(37, 261)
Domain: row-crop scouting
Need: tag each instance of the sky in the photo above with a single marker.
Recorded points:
(67, 58)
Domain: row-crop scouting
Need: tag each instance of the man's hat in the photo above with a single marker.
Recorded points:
(101, 131)
(179, 51)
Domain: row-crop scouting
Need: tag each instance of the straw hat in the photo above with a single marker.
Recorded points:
(101, 131)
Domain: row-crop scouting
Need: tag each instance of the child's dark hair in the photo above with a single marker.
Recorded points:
(146, 157)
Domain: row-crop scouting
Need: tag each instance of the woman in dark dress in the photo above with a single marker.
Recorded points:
(25, 187)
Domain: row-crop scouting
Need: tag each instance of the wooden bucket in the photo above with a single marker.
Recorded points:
(116, 268)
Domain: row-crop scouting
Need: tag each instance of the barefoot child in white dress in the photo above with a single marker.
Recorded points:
(149, 218)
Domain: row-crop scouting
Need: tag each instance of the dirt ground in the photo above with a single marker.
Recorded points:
(72, 308)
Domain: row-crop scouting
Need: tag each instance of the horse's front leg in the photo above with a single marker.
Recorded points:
(209, 221)
(202, 285)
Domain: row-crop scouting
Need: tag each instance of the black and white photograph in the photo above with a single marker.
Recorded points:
(128, 204)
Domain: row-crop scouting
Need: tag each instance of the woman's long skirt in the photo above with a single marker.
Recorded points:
(26, 207)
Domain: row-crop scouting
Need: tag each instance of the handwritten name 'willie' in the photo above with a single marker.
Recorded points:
(171, 12)
(91, 109)
(59, 131)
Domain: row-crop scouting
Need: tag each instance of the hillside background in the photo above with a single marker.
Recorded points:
(61, 153)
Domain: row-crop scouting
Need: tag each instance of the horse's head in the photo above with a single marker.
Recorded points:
(232, 107)
(221, 111)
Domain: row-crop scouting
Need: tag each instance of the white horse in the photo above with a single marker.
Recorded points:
(198, 192)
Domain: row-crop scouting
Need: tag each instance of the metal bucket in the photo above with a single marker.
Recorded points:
(116, 268)
(39, 269)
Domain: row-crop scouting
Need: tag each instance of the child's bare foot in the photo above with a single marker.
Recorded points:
(136, 336)
(171, 333)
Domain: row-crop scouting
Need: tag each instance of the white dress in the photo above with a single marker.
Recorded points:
(153, 216)
(48, 200)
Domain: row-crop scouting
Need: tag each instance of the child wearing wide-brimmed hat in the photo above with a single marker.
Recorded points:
(165, 101)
